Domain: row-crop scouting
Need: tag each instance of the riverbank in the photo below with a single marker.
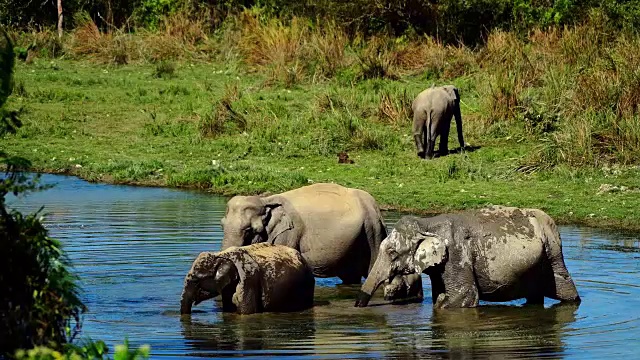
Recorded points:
(124, 125)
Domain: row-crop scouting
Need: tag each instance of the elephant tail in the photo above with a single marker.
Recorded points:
(428, 129)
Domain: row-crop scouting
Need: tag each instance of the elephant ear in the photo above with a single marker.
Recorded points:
(226, 273)
(276, 218)
(431, 251)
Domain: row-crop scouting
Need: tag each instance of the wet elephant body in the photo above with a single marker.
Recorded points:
(493, 254)
(250, 279)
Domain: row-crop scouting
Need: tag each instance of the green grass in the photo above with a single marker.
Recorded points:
(123, 124)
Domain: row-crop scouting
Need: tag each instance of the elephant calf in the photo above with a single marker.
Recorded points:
(432, 112)
(494, 254)
(255, 278)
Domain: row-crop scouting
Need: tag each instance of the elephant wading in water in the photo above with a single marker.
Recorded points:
(432, 112)
(337, 230)
(250, 279)
(494, 254)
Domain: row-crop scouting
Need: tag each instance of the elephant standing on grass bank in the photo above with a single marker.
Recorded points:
(432, 112)
(250, 279)
(494, 254)
(337, 230)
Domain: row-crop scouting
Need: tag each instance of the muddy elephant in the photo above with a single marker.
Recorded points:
(432, 112)
(337, 230)
(250, 279)
(493, 254)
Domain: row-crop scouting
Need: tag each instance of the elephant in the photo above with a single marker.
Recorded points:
(336, 229)
(493, 254)
(432, 112)
(250, 279)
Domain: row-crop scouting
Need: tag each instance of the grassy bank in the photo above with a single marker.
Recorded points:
(265, 106)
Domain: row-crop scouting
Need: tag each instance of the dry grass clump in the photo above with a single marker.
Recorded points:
(433, 58)
(110, 47)
(274, 45)
(178, 37)
(328, 44)
(223, 119)
(395, 109)
(377, 59)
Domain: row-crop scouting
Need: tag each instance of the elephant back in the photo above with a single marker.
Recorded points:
(286, 279)
(504, 221)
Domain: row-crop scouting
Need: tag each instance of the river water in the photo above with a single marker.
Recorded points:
(132, 247)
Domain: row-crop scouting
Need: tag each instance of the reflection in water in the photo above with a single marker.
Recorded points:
(237, 334)
(499, 331)
(133, 246)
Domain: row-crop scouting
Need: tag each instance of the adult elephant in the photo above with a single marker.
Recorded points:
(250, 279)
(494, 254)
(337, 230)
(432, 112)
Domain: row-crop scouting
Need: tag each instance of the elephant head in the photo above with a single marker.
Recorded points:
(210, 276)
(407, 250)
(252, 219)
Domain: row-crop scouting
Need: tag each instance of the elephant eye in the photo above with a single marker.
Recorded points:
(392, 254)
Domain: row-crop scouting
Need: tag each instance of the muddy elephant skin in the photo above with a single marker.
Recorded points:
(493, 254)
(250, 279)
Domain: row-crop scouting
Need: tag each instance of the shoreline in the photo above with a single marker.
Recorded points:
(596, 223)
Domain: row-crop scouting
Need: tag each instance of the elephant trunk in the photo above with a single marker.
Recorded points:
(187, 298)
(231, 238)
(378, 274)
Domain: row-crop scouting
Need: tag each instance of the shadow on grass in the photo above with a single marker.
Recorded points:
(458, 150)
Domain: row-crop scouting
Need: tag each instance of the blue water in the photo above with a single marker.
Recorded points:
(132, 247)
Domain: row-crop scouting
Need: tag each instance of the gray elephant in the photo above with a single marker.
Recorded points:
(494, 254)
(250, 279)
(337, 230)
(432, 112)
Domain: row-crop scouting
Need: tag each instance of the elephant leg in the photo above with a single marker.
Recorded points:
(443, 149)
(456, 289)
(396, 289)
(559, 285)
(430, 144)
(356, 261)
(418, 138)
(537, 299)
(405, 287)
(350, 279)
(562, 287)
(419, 133)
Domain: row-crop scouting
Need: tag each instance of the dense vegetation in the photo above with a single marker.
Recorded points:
(448, 20)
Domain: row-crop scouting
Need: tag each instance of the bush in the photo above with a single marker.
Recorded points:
(223, 118)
